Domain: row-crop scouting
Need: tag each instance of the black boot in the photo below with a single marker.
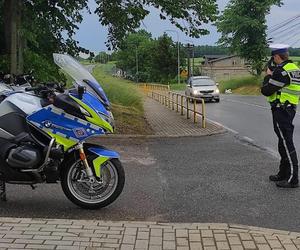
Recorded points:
(277, 177)
(284, 172)
(286, 184)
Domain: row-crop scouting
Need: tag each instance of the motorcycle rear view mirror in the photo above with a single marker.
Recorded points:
(81, 91)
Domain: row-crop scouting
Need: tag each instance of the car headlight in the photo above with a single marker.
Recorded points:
(217, 91)
(195, 92)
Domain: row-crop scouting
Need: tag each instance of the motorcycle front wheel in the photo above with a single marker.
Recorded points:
(92, 195)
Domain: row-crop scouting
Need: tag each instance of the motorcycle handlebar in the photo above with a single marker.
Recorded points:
(34, 88)
(50, 86)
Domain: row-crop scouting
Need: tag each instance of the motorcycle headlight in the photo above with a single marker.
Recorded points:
(83, 111)
(109, 118)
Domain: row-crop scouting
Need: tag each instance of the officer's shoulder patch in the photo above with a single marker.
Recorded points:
(284, 73)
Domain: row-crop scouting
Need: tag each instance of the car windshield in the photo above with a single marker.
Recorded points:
(203, 82)
(80, 74)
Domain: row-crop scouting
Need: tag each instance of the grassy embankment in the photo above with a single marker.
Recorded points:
(126, 99)
(244, 86)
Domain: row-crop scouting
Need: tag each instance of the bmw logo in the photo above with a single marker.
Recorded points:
(47, 124)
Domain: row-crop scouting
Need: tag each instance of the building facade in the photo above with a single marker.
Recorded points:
(224, 67)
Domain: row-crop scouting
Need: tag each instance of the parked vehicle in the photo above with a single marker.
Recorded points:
(14, 83)
(42, 134)
(203, 87)
(24, 80)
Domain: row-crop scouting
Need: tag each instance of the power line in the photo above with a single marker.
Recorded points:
(284, 21)
(289, 39)
(285, 36)
(286, 29)
(282, 24)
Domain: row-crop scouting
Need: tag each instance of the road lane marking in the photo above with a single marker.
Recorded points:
(251, 104)
(245, 103)
(248, 139)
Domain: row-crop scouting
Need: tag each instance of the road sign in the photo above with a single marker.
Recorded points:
(184, 73)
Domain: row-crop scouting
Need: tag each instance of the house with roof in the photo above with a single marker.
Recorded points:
(220, 67)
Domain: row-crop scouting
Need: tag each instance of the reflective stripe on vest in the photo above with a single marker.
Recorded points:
(290, 93)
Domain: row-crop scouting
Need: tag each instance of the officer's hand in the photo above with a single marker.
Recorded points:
(269, 72)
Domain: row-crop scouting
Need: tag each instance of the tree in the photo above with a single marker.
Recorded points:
(102, 57)
(164, 60)
(243, 27)
(122, 17)
(48, 26)
(43, 27)
(202, 50)
(134, 54)
(156, 59)
(294, 51)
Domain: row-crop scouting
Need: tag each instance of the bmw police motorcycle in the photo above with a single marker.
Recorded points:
(43, 132)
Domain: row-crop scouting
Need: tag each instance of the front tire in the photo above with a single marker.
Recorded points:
(76, 187)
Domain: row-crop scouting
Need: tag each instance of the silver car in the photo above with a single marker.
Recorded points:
(203, 87)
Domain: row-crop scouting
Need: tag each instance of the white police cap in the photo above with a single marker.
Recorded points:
(279, 48)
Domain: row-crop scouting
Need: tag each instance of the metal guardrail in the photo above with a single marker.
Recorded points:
(147, 87)
(181, 103)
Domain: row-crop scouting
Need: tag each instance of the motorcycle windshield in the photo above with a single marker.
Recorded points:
(81, 75)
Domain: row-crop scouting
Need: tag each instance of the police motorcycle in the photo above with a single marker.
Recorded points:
(43, 132)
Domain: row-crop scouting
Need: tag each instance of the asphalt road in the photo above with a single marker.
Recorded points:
(250, 117)
(201, 179)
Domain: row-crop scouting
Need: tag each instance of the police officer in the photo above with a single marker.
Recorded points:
(282, 88)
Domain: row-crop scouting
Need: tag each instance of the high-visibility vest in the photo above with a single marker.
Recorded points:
(291, 92)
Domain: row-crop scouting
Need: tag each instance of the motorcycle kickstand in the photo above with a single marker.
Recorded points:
(2, 191)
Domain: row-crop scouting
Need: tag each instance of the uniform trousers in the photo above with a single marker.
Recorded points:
(283, 126)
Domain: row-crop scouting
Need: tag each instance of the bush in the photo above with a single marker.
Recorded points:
(240, 82)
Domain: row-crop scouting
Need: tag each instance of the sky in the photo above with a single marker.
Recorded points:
(92, 35)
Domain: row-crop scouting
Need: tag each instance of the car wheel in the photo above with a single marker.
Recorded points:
(217, 100)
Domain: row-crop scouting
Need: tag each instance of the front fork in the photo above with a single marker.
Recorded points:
(83, 158)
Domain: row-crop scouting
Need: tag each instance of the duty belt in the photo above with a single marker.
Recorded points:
(277, 104)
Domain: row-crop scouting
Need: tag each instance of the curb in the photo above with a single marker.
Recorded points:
(246, 140)
(238, 228)
(117, 136)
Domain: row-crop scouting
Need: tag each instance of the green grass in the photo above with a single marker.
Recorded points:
(198, 60)
(244, 85)
(126, 99)
(295, 58)
(177, 87)
(119, 91)
(85, 62)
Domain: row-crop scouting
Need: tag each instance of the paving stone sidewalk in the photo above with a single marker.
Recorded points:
(22, 233)
(167, 122)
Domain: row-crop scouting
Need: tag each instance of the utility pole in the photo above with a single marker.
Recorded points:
(189, 50)
(191, 46)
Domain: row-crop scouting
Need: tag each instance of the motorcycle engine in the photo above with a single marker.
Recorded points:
(25, 156)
